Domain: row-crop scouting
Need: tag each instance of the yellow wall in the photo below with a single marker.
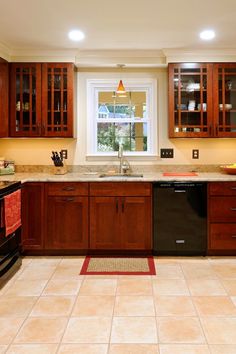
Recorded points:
(38, 151)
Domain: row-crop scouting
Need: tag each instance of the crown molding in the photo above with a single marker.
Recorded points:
(200, 55)
(5, 52)
(37, 55)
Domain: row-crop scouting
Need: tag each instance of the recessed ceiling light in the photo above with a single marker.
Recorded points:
(76, 35)
(207, 35)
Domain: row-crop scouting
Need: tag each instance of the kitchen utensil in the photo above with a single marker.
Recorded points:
(230, 169)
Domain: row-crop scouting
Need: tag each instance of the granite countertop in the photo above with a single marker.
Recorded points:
(94, 177)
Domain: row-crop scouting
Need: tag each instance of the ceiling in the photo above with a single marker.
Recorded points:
(122, 25)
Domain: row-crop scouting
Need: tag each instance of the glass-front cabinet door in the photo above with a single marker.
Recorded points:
(225, 100)
(190, 100)
(25, 109)
(57, 99)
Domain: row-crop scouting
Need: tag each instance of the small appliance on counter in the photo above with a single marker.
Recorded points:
(57, 158)
(7, 167)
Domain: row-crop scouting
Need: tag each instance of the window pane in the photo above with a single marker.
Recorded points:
(133, 136)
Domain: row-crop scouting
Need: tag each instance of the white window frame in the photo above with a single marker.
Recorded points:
(96, 85)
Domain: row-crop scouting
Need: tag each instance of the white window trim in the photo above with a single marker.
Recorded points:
(95, 85)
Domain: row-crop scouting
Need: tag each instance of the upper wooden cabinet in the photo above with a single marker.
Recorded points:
(41, 101)
(4, 93)
(190, 100)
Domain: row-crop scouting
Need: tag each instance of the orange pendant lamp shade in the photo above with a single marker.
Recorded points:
(120, 88)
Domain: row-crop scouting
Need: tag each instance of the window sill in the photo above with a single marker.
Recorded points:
(129, 157)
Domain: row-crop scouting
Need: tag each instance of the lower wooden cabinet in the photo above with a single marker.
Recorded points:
(32, 235)
(120, 216)
(222, 218)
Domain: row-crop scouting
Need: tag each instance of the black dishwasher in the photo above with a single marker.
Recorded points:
(180, 218)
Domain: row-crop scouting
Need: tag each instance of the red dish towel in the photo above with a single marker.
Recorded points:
(12, 211)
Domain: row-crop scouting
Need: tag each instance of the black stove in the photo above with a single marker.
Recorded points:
(8, 186)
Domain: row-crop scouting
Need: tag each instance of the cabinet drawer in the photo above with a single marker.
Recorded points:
(222, 209)
(223, 236)
(120, 189)
(222, 188)
(67, 188)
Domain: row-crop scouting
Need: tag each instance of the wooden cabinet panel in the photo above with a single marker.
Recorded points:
(136, 223)
(4, 99)
(67, 223)
(105, 223)
(223, 236)
(120, 189)
(222, 209)
(222, 188)
(67, 188)
(32, 216)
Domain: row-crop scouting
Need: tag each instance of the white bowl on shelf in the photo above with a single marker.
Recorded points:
(227, 106)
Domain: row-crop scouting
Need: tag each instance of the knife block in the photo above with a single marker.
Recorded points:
(60, 170)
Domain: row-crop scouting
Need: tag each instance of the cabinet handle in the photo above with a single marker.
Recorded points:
(43, 129)
(216, 129)
(69, 199)
(117, 206)
(233, 188)
(123, 205)
(233, 236)
(68, 188)
(233, 209)
(210, 129)
(179, 241)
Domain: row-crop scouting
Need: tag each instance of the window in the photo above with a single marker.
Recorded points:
(128, 119)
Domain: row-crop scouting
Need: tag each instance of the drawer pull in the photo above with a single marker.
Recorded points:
(179, 241)
(233, 209)
(233, 236)
(68, 188)
(68, 199)
(233, 188)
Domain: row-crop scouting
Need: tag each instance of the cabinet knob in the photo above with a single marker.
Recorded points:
(68, 188)
(69, 199)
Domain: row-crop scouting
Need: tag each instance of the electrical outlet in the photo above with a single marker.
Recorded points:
(167, 153)
(195, 154)
(64, 154)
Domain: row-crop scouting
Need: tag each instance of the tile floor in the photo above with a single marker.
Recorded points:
(189, 307)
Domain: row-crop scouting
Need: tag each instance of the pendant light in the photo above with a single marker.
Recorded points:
(121, 89)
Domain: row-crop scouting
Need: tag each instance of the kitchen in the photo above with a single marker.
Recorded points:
(189, 306)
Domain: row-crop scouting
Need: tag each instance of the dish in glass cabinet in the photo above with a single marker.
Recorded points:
(230, 169)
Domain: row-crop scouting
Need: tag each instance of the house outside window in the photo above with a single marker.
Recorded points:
(128, 119)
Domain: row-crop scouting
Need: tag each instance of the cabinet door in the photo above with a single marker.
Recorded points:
(190, 100)
(105, 223)
(25, 101)
(32, 216)
(136, 223)
(57, 99)
(225, 100)
(67, 223)
(4, 92)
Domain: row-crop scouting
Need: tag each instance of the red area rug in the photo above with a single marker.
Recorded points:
(118, 266)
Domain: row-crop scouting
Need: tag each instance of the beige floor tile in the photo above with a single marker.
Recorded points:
(223, 349)
(169, 271)
(62, 287)
(66, 271)
(233, 298)
(26, 288)
(134, 306)
(9, 327)
(3, 349)
(134, 286)
(32, 349)
(53, 306)
(206, 287)
(88, 330)
(175, 287)
(230, 286)
(52, 261)
(98, 305)
(5, 285)
(225, 270)
(37, 272)
(184, 349)
(83, 349)
(197, 270)
(134, 330)
(214, 306)
(16, 306)
(174, 306)
(98, 287)
(180, 330)
(41, 330)
(133, 349)
(26, 261)
(72, 261)
(219, 330)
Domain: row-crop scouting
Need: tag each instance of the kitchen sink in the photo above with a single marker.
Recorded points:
(121, 175)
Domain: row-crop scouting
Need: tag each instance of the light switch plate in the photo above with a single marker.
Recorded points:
(167, 153)
(195, 154)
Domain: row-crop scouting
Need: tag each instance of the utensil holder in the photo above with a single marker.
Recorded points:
(60, 170)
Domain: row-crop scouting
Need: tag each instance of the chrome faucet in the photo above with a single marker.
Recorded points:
(124, 164)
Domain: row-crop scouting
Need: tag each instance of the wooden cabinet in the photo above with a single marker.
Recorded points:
(202, 100)
(4, 93)
(66, 216)
(120, 216)
(32, 235)
(222, 218)
(41, 101)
